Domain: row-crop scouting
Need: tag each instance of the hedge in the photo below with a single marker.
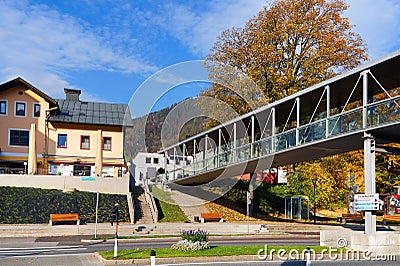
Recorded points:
(32, 205)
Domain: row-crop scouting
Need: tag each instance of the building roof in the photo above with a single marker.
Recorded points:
(76, 111)
(19, 81)
(94, 113)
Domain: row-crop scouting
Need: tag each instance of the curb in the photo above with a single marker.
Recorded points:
(93, 241)
(111, 262)
(167, 261)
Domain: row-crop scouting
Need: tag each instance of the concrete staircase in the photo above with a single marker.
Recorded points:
(142, 208)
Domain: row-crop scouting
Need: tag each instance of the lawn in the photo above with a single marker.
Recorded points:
(213, 251)
(167, 212)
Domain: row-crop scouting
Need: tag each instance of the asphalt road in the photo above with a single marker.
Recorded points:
(17, 247)
(70, 251)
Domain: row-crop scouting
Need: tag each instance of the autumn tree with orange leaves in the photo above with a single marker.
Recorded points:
(287, 47)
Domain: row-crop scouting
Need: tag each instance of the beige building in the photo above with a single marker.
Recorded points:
(71, 137)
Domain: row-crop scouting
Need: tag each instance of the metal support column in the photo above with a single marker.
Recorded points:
(174, 163)
(328, 110)
(273, 129)
(205, 153)
(370, 185)
(252, 138)
(369, 160)
(183, 159)
(165, 166)
(234, 152)
(194, 156)
(297, 120)
(365, 97)
(219, 146)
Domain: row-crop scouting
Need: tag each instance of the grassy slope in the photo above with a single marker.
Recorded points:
(167, 212)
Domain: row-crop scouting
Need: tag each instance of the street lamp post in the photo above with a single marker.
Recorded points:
(114, 217)
(314, 181)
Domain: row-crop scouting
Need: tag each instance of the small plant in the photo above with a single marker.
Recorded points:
(195, 235)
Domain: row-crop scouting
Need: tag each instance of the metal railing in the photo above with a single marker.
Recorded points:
(378, 113)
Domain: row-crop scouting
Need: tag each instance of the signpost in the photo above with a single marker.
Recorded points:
(366, 202)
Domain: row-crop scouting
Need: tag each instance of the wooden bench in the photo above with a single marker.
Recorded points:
(346, 217)
(391, 218)
(64, 217)
(210, 217)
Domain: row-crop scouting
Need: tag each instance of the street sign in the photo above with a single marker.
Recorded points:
(366, 202)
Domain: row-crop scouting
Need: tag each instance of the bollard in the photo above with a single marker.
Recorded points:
(152, 257)
(308, 257)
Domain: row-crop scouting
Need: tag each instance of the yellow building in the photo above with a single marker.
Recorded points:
(72, 137)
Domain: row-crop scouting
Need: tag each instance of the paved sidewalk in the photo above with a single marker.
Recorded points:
(190, 205)
(40, 230)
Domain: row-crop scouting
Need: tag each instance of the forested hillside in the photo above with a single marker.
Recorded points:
(152, 124)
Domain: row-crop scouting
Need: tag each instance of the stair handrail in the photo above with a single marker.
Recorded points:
(151, 202)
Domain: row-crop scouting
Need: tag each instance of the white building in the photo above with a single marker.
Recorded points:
(147, 165)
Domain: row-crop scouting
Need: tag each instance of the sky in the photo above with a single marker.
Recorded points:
(108, 48)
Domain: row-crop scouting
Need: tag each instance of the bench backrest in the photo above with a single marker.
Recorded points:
(64, 216)
(210, 215)
(348, 215)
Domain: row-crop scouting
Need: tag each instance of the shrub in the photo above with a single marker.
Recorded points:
(195, 235)
(185, 245)
(192, 240)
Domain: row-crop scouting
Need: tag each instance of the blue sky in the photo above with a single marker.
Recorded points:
(108, 48)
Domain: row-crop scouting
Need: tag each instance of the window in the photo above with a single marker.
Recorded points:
(19, 137)
(3, 107)
(36, 110)
(148, 160)
(20, 109)
(107, 143)
(62, 141)
(85, 142)
(155, 160)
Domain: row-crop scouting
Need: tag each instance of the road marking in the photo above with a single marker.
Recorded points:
(37, 251)
(49, 255)
(51, 247)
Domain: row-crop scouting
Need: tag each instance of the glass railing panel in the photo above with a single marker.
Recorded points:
(225, 158)
(285, 140)
(211, 163)
(346, 122)
(263, 147)
(200, 166)
(243, 153)
(384, 112)
(312, 132)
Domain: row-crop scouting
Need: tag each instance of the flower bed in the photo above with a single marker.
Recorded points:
(192, 240)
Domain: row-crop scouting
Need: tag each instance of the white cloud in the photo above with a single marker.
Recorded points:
(41, 44)
(199, 29)
(378, 23)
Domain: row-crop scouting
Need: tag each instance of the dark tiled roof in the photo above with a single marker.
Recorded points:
(94, 113)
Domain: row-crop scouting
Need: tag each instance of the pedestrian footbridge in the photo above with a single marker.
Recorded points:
(359, 109)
